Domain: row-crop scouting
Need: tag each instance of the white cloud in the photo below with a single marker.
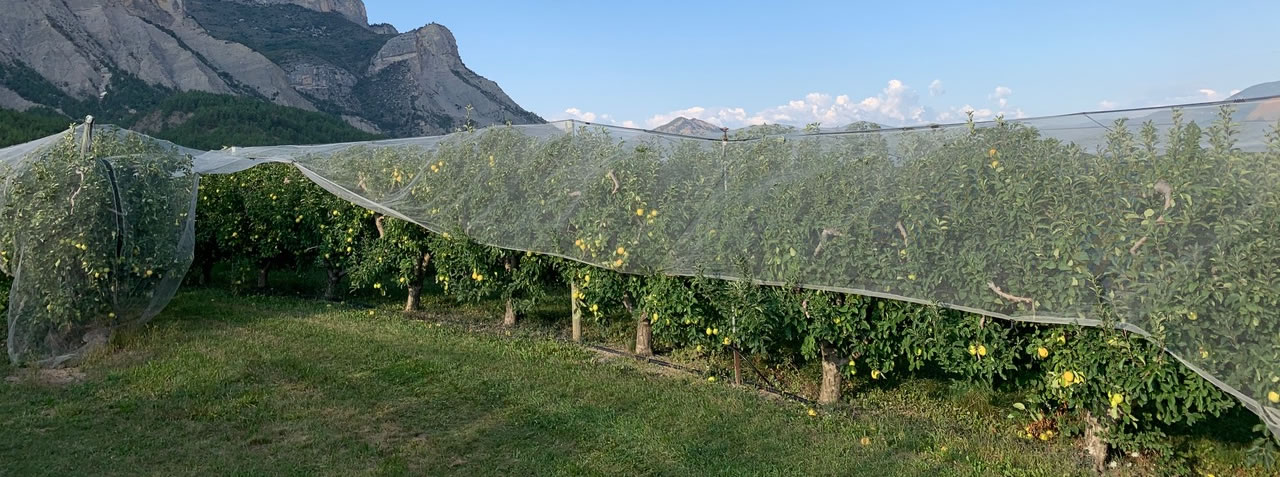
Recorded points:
(897, 104)
(588, 116)
(1001, 95)
(575, 113)
(1107, 104)
(936, 89)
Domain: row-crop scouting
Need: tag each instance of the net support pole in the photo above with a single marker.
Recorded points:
(724, 152)
(87, 142)
(737, 367)
(575, 312)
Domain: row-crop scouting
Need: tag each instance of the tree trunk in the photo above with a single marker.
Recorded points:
(331, 285)
(576, 312)
(206, 272)
(644, 336)
(262, 276)
(414, 302)
(509, 318)
(1093, 443)
(831, 377)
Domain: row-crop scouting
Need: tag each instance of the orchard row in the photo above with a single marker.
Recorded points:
(1154, 232)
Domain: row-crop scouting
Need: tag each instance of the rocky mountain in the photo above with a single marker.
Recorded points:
(1260, 113)
(1260, 90)
(691, 127)
(119, 57)
(1267, 110)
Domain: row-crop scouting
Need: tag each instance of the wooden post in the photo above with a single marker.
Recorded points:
(737, 357)
(576, 312)
(87, 142)
(737, 367)
(509, 318)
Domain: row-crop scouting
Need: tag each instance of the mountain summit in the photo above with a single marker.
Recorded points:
(318, 55)
(691, 127)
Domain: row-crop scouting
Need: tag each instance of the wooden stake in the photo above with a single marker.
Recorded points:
(576, 313)
(737, 367)
(88, 136)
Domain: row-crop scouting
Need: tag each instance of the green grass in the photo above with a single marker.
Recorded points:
(221, 384)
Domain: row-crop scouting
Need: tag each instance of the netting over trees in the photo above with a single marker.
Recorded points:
(1163, 222)
(96, 236)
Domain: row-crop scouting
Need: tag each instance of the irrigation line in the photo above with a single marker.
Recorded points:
(767, 388)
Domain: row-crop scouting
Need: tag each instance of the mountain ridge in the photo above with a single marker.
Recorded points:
(314, 55)
(691, 127)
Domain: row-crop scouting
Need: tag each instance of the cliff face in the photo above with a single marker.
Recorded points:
(310, 54)
(416, 64)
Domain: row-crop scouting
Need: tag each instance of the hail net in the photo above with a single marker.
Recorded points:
(97, 233)
(1163, 222)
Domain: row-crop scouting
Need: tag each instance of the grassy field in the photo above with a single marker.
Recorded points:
(224, 384)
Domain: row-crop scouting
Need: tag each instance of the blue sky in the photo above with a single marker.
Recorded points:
(643, 63)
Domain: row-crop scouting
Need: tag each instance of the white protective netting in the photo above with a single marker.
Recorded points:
(94, 237)
(1164, 222)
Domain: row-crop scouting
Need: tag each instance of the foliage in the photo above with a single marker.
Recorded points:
(213, 121)
(17, 127)
(124, 96)
(82, 269)
(400, 257)
(473, 272)
(5, 283)
(1160, 239)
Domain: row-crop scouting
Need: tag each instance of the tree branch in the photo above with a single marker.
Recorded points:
(998, 291)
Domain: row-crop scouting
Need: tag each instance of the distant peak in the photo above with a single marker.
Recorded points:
(690, 127)
(437, 39)
(1260, 90)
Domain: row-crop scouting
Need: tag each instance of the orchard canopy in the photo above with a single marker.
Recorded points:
(1162, 222)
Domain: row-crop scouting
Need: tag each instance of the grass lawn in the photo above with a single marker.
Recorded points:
(223, 384)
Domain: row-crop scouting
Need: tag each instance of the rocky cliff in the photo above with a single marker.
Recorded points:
(309, 54)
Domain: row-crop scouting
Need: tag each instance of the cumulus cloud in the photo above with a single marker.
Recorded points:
(1107, 104)
(935, 88)
(575, 113)
(897, 104)
(1001, 95)
(588, 116)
